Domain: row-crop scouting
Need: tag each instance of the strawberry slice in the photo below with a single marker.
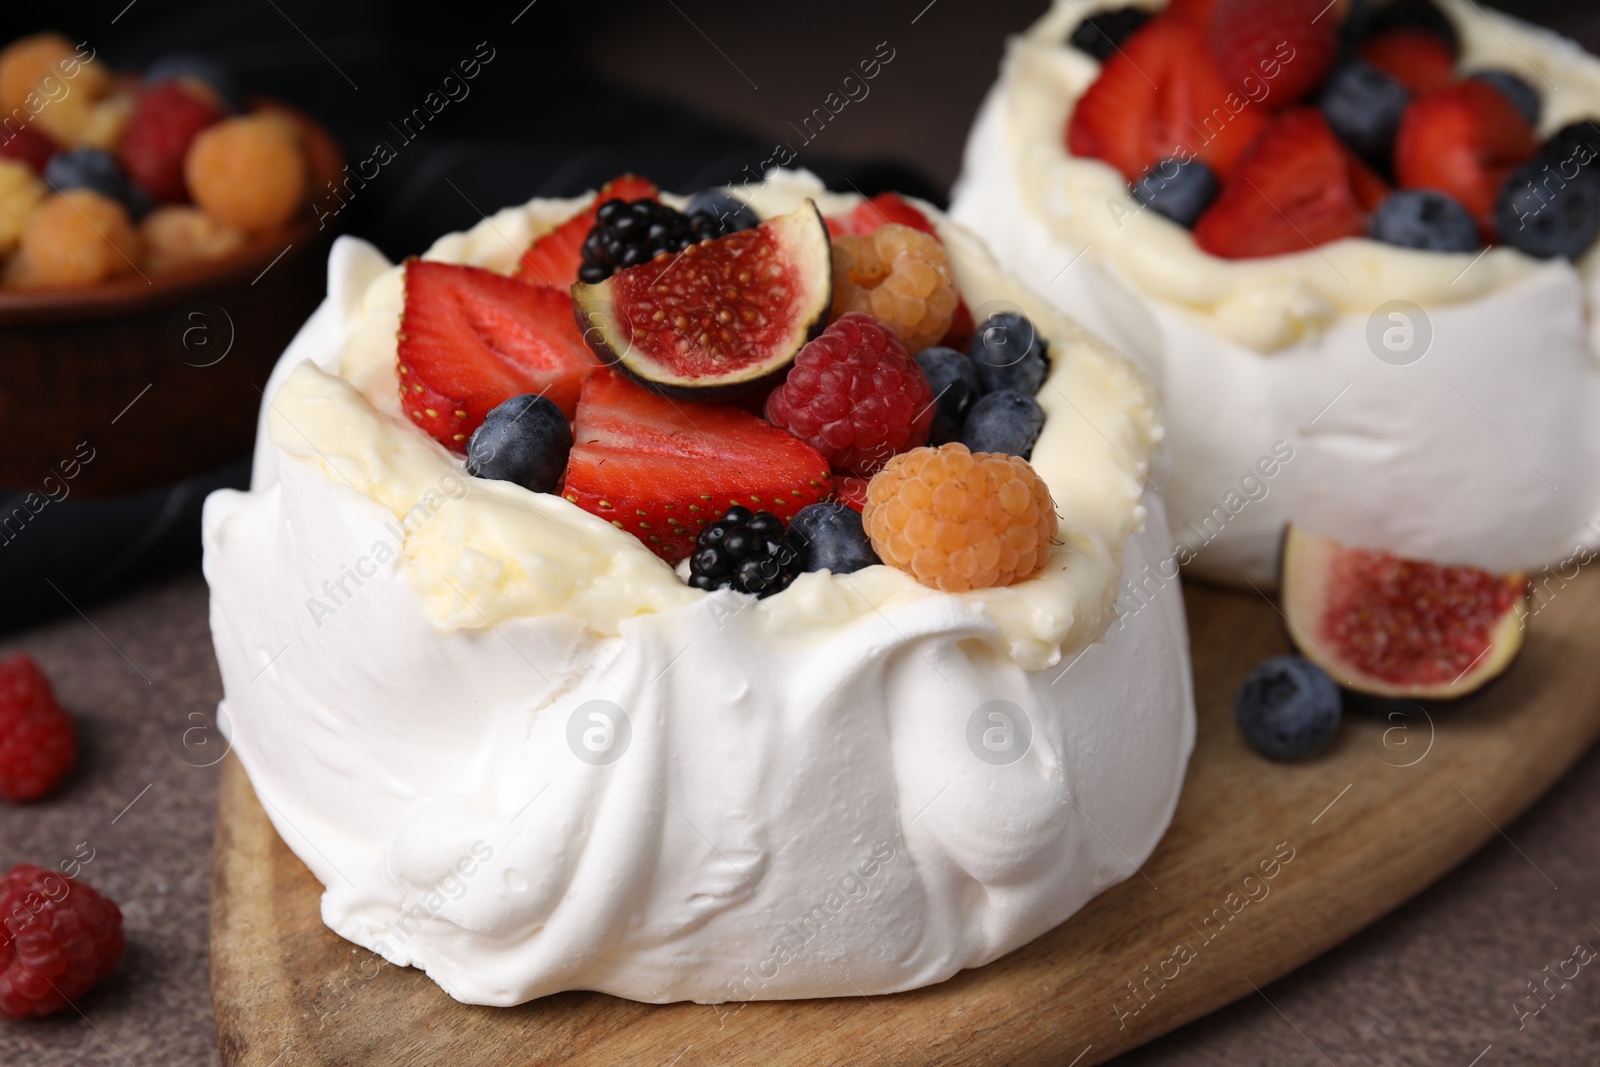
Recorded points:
(1163, 96)
(1195, 12)
(1465, 140)
(880, 211)
(471, 338)
(663, 469)
(1295, 190)
(852, 491)
(1285, 47)
(1419, 60)
(554, 258)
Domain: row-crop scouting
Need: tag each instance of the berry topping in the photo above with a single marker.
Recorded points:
(20, 192)
(38, 744)
(555, 257)
(626, 234)
(719, 318)
(1545, 215)
(471, 339)
(74, 238)
(1286, 45)
(957, 521)
(1517, 90)
(1179, 190)
(165, 122)
(885, 209)
(830, 537)
(954, 380)
(58, 940)
(177, 235)
(1424, 219)
(1420, 61)
(1420, 15)
(744, 552)
(1159, 98)
(1007, 422)
(1103, 33)
(663, 470)
(1299, 188)
(248, 172)
(525, 440)
(855, 396)
(89, 168)
(901, 277)
(1288, 708)
(850, 490)
(1464, 140)
(1010, 354)
(197, 71)
(726, 212)
(1573, 148)
(28, 146)
(1363, 105)
(1194, 12)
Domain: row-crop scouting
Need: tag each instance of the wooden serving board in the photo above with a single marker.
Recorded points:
(1395, 804)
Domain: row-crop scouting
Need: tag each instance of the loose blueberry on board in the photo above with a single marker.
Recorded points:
(1010, 354)
(1546, 217)
(1179, 190)
(90, 168)
(1517, 90)
(744, 552)
(1363, 105)
(830, 537)
(1008, 421)
(1288, 708)
(192, 66)
(1424, 219)
(728, 214)
(1101, 34)
(525, 440)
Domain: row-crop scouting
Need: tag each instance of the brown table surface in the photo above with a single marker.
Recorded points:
(1443, 973)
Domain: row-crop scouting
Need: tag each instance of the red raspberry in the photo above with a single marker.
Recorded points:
(165, 122)
(58, 938)
(38, 744)
(28, 145)
(855, 396)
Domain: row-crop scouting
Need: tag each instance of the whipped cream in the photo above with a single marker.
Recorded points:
(1480, 451)
(522, 755)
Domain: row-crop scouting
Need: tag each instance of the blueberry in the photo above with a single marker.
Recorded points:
(1574, 149)
(829, 537)
(1545, 215)
(524, 440)
(1179, 190)
(728, 212)
(1009, 354)
(1516, 88)
(1007, 421)
(1424, 219)
(96, 170)
(1101, 34)
(1288, 708)
(193, 65)
(1363, 105)
(954, 381)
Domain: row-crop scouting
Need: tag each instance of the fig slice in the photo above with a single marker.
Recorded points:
(1397, 628)
(720, 318)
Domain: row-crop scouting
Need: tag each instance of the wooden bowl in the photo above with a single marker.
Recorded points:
(158, 376)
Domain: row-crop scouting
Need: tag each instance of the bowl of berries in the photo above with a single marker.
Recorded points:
(158, 248)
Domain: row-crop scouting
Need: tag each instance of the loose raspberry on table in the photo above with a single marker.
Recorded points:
(38, 744)
(901, 277)
(956, 521)
(854, 395)
(58, 939)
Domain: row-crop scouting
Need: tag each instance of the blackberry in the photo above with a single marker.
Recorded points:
(627, 234)
(744, 552)
(1101, 35)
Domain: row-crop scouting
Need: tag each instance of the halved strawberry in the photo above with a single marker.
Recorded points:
(1284, 48)
(880, 211)
(663, 469)
(1161, 96)
(554, 258)
(1195, 12)
(1419, 60)
(1465, 140)
(1295, 190)
(471, 338)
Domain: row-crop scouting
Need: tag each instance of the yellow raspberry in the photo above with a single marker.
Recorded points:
(75, 238)
(107, 122)
(27, 61)
(177, 235)
(248, 172)
(20, 192)
(901, 277)
(957, 521)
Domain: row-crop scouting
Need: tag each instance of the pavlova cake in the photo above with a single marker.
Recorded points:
(1358, 237)
(689, 600)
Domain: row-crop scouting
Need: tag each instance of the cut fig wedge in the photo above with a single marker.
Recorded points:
(1399, 628)
(720, 318)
